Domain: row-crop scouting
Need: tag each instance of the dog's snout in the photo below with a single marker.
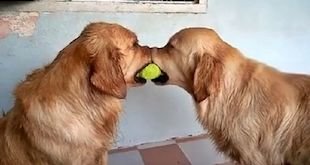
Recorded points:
(154, 51)
(146, 50)
(146, 47)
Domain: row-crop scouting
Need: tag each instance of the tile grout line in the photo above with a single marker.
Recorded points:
(178, 151)
(187, 157)
(141, 156)
(160, 143)
(184, 154)
(157, 144)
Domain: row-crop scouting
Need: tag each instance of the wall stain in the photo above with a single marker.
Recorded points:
(23, 24)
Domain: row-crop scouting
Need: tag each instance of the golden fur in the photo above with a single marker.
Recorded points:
(255, 114)
(67, 112)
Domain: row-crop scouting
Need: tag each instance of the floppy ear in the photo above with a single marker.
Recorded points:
(106, 73)
(206, 77)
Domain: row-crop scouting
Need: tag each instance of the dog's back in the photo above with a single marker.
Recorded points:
(301, 142)
(285, 100)
(261, 117)
(2, 128)
(2, 131)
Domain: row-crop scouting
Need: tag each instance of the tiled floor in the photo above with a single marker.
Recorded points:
(190, 151)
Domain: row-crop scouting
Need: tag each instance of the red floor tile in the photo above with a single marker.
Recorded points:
(164, 155)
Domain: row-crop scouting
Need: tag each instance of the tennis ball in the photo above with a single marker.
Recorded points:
(151, 71)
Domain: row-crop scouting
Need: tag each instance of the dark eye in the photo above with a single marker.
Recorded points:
(136, 44)
(169, 45)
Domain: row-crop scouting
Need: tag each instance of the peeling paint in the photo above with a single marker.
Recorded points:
(23, 24)
(4, 28)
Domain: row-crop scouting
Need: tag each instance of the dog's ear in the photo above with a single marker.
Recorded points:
(104, 60)
(206, 77)
(106, 73)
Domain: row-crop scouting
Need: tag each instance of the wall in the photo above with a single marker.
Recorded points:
(272, 31)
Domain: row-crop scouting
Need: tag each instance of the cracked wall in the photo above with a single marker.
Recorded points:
(22, 23)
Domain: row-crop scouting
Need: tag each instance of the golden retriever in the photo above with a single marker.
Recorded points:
(255, 114)
(67, 112)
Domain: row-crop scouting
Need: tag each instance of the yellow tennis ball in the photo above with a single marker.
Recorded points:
(150, 72)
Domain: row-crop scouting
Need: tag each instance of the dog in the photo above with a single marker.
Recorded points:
(67, 112)
(255, 114)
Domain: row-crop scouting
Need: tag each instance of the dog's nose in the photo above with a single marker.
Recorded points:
(146, 50)
(154, 51)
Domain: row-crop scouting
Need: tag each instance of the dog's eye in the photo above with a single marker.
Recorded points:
(135, 43)
(169, 45)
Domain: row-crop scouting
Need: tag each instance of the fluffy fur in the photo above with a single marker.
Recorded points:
(254, 113)
(67, 112)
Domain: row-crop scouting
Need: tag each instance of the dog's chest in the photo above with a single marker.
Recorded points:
(74, 137)
(212, 115)
(215, 120)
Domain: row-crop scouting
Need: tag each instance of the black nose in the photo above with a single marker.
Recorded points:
(140, 80)
(162, 79)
